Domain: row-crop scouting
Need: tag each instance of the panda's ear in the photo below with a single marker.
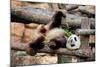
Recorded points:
(79, 37)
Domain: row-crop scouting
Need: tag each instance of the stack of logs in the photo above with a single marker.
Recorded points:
(25, 18)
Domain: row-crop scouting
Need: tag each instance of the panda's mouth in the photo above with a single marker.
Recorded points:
(72, 45)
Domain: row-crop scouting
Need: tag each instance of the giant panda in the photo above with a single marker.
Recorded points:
(73, 42)
(51, 33)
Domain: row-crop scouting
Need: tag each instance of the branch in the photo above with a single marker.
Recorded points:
(78, 53)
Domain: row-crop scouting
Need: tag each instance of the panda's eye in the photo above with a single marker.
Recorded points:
(75, 38)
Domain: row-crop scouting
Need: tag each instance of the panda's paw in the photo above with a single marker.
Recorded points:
(30, 51)
(52, 45)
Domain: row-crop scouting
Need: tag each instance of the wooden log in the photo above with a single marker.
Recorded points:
(32, 14)
(92, 45)
(17, 60)
(85, 31)
(88, 11)
(62, 6)
(73, 22)
(29, 14)
(92, 39)
(31, 25)
(85, 39)
(92, 21)
(55, 7)
(71, 7)
(78, 53)
(18, 46)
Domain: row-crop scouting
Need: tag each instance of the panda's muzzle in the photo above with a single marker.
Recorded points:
(72, 45)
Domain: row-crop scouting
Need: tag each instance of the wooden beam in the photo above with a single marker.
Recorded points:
(79, 53)
(85, 39)
(92, 39)
(30, 15)
(85, 31)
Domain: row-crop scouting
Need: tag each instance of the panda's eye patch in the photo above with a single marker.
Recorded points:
(75, 38)
(71, 41)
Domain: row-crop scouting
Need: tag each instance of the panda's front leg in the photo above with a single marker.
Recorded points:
(30, 51)
(38, 44)
(34, 46)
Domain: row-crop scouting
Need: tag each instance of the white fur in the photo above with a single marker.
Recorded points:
(76, 43)
(56, 32)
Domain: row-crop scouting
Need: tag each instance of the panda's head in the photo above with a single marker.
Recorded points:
(73, 42)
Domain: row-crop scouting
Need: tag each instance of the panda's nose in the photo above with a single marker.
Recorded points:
(72, 45)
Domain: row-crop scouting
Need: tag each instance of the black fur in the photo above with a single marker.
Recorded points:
(57, 19)
(55, 43)
(59, 42)
(38, 44)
